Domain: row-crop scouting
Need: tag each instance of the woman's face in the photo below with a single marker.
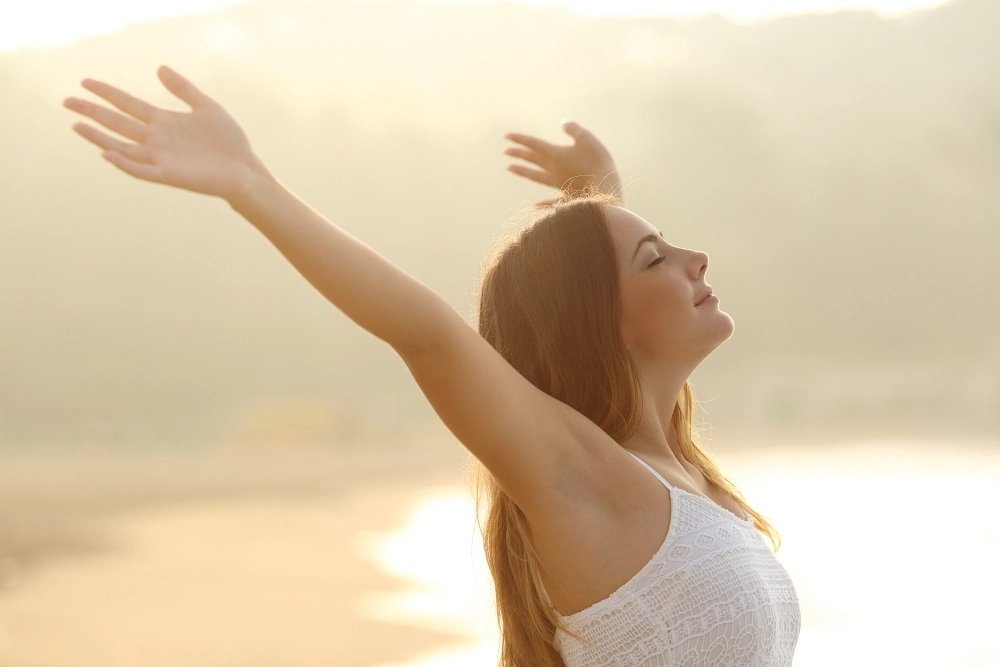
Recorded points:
(665, 317)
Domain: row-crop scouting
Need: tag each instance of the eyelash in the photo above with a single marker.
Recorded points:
(657, 261)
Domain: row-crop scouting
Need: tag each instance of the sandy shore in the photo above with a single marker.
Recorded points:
(208, 560)
(260, 560)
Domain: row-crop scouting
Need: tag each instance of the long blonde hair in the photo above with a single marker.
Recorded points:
(548, 303)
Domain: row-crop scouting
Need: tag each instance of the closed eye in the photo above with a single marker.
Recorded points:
(657, 261)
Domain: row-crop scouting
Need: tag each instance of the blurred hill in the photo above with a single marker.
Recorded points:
(841, 170)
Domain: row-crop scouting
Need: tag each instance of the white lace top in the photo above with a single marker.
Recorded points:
(713, 595)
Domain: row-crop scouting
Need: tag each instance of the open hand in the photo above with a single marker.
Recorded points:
(203, 150)
(573, 169)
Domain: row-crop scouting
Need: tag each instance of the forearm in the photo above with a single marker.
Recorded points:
(365, 286)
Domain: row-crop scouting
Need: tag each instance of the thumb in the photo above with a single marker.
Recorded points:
(575, 130)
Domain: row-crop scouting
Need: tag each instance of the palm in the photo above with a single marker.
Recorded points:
(203, 150)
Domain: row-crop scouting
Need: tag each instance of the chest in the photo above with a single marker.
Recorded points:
(586, 555)
(713, 593)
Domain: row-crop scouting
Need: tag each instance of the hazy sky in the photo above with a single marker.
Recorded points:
(52, 22)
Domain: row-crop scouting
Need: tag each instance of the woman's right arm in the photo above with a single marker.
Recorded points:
(205, 150)
(369, 289)
(530, 441)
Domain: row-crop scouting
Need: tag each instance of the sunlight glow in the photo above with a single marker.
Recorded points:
(47, 23)
(739, 10)
(440, 554)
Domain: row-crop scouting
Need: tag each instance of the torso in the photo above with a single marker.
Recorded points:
(587, 552)
(664, 575)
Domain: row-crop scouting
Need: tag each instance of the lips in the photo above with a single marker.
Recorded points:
(704, 296)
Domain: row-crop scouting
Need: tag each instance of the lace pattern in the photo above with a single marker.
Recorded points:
(712, 595)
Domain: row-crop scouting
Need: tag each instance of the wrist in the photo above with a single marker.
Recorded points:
(258, 184)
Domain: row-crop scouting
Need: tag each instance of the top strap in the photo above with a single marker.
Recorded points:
(650, 469)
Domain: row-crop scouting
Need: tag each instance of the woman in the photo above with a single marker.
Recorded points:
(612, 538)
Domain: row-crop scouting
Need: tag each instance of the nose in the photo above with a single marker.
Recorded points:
(699, 264)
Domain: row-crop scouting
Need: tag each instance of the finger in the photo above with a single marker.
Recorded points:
(534, 143)
(123, 125)
(582, 135)
(545, 203)
(182, 88)
(577, 131)
(146, 172)
(101, 140)
(133, 106)
(536, 175)
(529, 155)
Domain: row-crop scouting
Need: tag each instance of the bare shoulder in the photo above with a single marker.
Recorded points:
(602, 523)
(594, 471)
(539, 449)
(548, 457)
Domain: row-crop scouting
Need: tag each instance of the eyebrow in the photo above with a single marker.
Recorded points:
(648, 238)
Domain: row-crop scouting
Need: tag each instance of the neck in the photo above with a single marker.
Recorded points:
(655, 435)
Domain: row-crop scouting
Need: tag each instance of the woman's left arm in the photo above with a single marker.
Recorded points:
(584, 165)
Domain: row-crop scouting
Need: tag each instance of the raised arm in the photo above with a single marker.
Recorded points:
(206, 151)
(531, 442)
(584, 164)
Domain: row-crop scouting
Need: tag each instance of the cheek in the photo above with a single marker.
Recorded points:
(652, 308)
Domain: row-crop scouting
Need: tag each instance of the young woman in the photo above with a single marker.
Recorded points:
(612, 538)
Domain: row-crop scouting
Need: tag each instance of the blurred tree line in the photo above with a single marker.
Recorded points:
(841, 170)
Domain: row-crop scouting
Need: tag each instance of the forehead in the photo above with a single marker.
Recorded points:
(627, 229)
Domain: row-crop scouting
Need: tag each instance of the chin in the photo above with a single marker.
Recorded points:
(731, 325)
(726, 327)
(718, 336)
